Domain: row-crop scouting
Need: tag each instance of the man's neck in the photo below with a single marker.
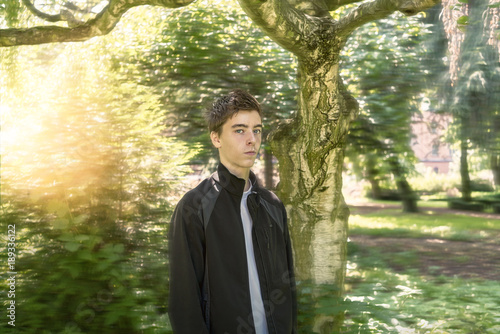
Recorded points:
(248, 185)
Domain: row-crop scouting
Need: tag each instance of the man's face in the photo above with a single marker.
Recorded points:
(239, 141)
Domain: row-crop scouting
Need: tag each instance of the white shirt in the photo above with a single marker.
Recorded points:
(258, 311)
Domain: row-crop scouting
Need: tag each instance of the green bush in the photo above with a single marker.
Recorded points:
(432, 183)
(386, 195)
(459, 204)
(481, 185)
(83, 273)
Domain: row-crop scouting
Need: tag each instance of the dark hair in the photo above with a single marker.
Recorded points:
(227, 106)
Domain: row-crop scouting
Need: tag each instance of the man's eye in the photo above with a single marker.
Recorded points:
(257, 131)
(239, 131)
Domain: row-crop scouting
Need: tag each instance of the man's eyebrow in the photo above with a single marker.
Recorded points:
(245, 126)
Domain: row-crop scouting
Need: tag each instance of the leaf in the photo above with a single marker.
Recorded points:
(119, 248)
(60, 224)
(85, 254)
(60, 208)
(463, 20)
(72, 246)
(66, 237)
(112, 318)
(74, 271)
(82, 237)
(80, 219)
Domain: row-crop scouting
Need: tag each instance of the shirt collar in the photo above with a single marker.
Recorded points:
(232, 183)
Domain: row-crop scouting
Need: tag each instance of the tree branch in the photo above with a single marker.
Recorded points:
(286, 25)
(102, 24)
(335, 4)
(313, 8)
(44, 16)
(379, 9)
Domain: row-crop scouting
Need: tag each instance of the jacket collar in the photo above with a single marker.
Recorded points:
(232, 183)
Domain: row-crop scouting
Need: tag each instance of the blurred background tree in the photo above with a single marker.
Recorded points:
(473, 91)
(389, 77)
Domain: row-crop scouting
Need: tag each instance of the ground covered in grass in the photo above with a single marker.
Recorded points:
(443, 242)
(436, 271)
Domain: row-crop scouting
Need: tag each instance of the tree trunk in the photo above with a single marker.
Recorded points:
(464, 166)
(311, 151)
(495, 151)
(408, 196)
(268, 168)
(372, 174)
(495, 167)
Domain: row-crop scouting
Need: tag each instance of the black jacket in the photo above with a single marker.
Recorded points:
(209, 287)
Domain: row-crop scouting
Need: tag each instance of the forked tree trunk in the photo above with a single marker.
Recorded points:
(310, 150)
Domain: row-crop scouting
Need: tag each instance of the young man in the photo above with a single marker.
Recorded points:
(231, 268)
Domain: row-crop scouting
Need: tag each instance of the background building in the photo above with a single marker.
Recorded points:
(428, 129)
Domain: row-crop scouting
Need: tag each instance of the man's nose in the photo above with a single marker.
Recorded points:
(251, 139)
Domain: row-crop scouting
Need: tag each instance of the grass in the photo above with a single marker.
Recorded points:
(392, 222)
(380, 300)
(408, 303)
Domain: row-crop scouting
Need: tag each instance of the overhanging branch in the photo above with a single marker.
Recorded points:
(379, 9)
(102, 24)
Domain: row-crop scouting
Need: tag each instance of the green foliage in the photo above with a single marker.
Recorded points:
(383, 65)
(463, 20)
(474, 95)
(431, 183)
(459, 204)
(89, 180)
(75, 276)
(10, 10)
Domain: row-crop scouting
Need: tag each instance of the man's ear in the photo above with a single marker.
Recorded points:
(215, 139)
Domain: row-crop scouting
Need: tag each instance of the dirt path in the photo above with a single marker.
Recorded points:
(432, 256)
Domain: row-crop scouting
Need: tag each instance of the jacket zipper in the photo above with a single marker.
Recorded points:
(266, 275)
(267, 239)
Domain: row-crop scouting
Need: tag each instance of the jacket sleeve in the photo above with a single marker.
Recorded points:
(291, 271)
(186, 260)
